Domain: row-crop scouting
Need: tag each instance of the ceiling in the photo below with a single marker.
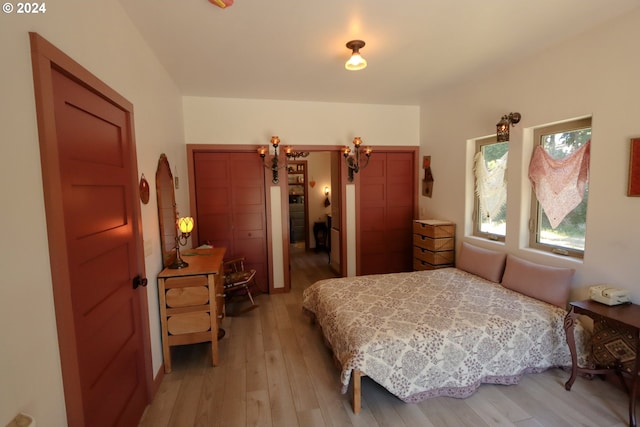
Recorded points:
(295, 49)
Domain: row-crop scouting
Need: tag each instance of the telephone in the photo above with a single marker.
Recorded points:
(609, 295)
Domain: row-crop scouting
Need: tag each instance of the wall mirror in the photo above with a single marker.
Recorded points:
(166, 210)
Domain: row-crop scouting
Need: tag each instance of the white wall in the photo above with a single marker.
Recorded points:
(318, 170)
(595, 74)
(99, 36)
(297, 123)
(253, 122)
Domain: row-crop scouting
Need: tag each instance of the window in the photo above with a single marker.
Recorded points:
(559, 174)
(490, 167)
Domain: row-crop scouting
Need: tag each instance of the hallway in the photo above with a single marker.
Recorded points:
(307, 267)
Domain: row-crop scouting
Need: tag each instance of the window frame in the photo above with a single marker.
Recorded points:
(536, 209)
(479, 143)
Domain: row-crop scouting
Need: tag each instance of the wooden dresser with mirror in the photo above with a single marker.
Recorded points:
(191, 298)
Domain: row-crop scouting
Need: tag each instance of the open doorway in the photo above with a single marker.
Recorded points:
(297, 185)
(313, 189)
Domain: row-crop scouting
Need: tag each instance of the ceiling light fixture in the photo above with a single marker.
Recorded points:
(222, 3)
(356, 62)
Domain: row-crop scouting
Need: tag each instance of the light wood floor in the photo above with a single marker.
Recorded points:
(276, 371)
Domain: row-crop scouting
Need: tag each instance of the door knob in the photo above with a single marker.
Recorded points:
(139, 281)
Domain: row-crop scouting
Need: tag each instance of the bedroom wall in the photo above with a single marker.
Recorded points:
(98, 35)
(299, 123)
(319, 170)
(593, 74)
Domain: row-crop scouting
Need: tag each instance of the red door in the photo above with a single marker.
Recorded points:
(94, 152)
(231, 209)
(386, 206)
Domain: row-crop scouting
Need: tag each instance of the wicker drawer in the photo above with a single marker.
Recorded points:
(433, 244)
(185, 281)
(187, 297)
(435, 258)
(433, 228)
(188, 323)
(425, 242)
(419, 265)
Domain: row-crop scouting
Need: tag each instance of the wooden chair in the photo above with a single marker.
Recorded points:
(238, 281)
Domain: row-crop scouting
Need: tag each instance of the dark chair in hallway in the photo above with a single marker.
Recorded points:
(238, 282)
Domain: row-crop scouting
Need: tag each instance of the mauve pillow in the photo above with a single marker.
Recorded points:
(482, 262)
(549, 284)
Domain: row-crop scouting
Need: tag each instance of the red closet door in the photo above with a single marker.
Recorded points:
(386, 205)
(231, 209)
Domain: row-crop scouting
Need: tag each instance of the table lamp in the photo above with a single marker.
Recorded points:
(184, 226)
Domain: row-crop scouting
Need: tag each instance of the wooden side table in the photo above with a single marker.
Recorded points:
(192, 302)
(626, 316)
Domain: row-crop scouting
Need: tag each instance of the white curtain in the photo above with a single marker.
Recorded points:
(491, 185)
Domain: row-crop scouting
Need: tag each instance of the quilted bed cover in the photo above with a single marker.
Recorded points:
(437, 333)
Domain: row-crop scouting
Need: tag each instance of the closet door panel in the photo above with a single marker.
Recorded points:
(386, 206)
(231, 210)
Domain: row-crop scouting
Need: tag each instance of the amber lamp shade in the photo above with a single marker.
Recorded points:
(185, 224)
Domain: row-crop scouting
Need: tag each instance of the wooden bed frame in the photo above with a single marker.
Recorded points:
(356, 374)
(356, 377)
(558, 277)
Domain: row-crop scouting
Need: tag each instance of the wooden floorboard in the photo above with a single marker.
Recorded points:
(276, 371)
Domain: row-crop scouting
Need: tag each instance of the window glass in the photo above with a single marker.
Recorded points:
(490, 168)
(566, 144)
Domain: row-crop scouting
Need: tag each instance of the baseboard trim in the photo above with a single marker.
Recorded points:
(157, 380)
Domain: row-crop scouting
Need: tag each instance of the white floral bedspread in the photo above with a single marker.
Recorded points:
(437, 333)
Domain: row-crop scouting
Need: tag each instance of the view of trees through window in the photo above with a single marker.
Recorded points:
(556, 178)
(569, 235)
(492, 224)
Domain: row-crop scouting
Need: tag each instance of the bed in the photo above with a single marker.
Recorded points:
(445, 332)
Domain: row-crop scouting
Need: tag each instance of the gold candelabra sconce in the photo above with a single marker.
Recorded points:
(275, 162)
(358, 160)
